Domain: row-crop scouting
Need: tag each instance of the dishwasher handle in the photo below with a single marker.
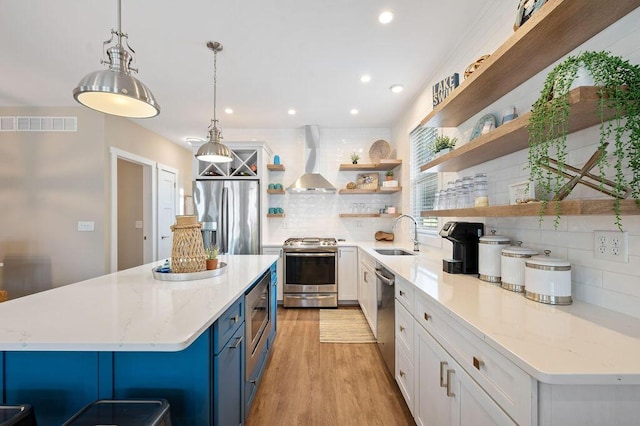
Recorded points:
(387, 281)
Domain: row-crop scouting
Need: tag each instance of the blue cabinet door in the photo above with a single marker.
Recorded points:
(183, 378)
(228, 382)
(57, 384)
(273, 308)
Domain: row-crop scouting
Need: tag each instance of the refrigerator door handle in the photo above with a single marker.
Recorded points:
(224, 225)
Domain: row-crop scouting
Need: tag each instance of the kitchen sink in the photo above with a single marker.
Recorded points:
(394, 252)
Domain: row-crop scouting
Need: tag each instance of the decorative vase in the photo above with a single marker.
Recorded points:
(212, 264)
(354, 162)
(389, 177)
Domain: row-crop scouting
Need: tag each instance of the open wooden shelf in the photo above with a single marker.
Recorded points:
(380, 190)
(276, 167)
(276, 191)
(567, 208)
(275, 215)
(383, 165)
(513, 136)
(553, 31)
(390, 216)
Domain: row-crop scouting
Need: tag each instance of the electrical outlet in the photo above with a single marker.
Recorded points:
(85, 226)
(611, 245)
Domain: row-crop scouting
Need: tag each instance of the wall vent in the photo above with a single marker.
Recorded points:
(7, 124)
(39, 124)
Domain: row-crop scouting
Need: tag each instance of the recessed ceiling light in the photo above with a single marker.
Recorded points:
(354, 111)
(291, 112)
(396, 88)
(228, 110)
(194, 141)
(365, 78)
(385, 17)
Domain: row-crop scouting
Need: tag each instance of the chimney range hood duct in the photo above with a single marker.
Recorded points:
(311, 182)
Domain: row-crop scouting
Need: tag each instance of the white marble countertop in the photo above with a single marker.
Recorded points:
(126, 311)
(575, 344)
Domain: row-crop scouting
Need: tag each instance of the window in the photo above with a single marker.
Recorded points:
(423, 185)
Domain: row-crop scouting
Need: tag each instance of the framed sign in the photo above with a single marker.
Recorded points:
(444, 88)
(526, 9)
(367, 181)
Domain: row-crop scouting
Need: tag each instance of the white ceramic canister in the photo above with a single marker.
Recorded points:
(489, 252)
(512, 266)
(548, 280)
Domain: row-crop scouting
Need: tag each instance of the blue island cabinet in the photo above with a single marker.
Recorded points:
(204, 383)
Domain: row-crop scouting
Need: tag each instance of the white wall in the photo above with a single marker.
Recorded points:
(317, 215)
(612, 285)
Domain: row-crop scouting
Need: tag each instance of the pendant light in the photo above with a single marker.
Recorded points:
(115, 91)
(214, 151)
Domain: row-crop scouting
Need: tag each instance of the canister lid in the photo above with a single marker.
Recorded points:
(548, 263)
(518, 251)
(494, 239)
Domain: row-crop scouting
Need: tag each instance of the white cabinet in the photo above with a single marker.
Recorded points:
(446, 394)
(367, 291)
(348, 274)
(405, 371)
(277, 251)
(249, 162)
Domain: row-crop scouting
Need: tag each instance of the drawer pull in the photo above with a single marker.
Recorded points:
(402, 373)
(237, 344)
(401, 329)
(401, 293)
(442, 383)
(234, 318)
(426, 316)
(253, 382)
(477, 363)
(449, 393)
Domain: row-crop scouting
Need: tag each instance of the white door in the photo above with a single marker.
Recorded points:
(166, 211)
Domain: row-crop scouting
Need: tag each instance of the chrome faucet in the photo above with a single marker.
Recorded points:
(416, 245)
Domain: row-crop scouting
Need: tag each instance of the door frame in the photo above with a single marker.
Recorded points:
(150, 219)
(179, 194)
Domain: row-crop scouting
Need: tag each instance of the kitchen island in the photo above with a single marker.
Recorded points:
(126, 335)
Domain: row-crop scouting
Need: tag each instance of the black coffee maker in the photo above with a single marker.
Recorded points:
(465, 237)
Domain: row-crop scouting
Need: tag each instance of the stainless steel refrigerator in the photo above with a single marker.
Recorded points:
(229, 211)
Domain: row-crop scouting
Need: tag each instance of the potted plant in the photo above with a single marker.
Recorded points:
(443, 144)
(211, 254)
(389, 174)
(354, 158)
(619, 91)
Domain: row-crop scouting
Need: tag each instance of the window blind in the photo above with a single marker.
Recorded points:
(423, 184)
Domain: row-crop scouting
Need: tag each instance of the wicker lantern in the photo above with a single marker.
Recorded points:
(187, 253)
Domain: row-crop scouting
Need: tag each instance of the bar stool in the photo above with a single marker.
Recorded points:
(123, 412)
(17, 415)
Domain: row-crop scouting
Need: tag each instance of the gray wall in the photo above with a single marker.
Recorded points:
(51, 180)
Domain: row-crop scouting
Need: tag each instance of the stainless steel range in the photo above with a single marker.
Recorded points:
(310, 272)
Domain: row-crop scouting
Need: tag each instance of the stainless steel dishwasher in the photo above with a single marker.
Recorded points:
(385, 281)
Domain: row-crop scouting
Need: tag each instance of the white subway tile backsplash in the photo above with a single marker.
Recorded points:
(586, 276)
(619, 302)
(621, 283)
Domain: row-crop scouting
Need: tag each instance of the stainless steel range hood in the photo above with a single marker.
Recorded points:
(311, 182)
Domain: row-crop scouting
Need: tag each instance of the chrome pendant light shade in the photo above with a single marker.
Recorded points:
(115, 91)
(214, 151)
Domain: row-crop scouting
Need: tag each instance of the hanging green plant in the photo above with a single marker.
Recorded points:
(619, 92)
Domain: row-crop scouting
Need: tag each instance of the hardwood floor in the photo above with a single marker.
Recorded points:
(311, 383)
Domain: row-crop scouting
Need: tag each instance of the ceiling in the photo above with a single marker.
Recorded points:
(278, 54)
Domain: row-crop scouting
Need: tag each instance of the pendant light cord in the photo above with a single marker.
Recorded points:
(215, 85)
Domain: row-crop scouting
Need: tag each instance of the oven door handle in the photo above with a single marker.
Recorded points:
(310, 254)
(387, 281)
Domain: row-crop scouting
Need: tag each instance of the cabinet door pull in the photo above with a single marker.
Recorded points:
(442, 383)
(401, 293)
(426, 316)
(477, 363)
(234, 319)
(237, 344)
(402, 373)
(449, 393)
(401, 329)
